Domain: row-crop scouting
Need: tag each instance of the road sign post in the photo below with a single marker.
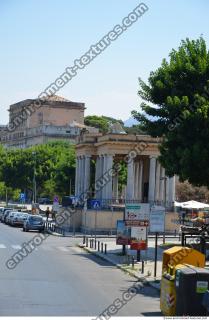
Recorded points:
(96, 204)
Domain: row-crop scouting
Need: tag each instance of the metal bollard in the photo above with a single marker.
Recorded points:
(102, 249)
(95, 244)
(142, 266)
(98, 245)
(175, 232)
(105, 250)
(87, 241)
(128, 260)
(84, 239)
(132, 262)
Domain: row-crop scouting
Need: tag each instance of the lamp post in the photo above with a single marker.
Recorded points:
(164, 179)
(34, 177)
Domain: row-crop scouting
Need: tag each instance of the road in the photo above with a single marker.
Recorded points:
(60, 279)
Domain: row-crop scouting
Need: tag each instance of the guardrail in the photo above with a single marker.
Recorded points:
(53, 228)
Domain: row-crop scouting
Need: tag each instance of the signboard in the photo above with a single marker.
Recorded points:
(157, 219)
(138, 238)
(56, 199)
(96, 204)
(22, 196)
(123, 233)
(137, 223)
(56, 207)
(137, 211)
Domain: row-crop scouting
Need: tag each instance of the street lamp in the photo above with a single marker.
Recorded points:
(34, 177)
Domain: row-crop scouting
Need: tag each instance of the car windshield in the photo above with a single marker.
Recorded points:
(36, 219)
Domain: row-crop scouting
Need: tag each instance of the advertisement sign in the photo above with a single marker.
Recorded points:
(157, 219)
(123, 233)
(138, 238)
(137, 211)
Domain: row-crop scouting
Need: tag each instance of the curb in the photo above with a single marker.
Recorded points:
(119, 266)
(54, 233)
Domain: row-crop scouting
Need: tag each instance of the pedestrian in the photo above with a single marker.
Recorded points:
(53, 215)
(47, 213)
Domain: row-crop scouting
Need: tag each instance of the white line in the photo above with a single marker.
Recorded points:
(16, 247)
(63, 249)
(2, 246)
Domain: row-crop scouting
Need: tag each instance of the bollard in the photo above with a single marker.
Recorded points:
(95, 244)
(175, 232)
(98, 246)
(90, 243)
(102, 247)
(105, 249)
(63, 232)
(87, 241)
(132, 262)
(142, 266)
(128, 260)
(84, 239)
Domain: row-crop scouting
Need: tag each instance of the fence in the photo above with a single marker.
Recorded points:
(53, 228)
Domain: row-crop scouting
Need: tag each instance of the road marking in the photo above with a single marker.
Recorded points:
(17, 247)
(63, 249)
(2, 246)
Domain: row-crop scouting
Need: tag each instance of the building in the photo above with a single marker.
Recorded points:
(56, 119)
(146, 180)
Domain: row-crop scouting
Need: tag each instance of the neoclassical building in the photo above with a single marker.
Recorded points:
(146, 180)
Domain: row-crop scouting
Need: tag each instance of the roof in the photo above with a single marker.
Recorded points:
(57, 98)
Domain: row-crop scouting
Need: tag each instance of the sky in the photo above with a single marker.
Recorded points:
(39, 39)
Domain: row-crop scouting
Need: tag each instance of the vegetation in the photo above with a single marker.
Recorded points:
(53, 164)
(185, 192)
(176, 107)
(101, 122)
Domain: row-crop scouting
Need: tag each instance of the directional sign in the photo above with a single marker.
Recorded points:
(137, 211)
(96, 204)
(137, 223)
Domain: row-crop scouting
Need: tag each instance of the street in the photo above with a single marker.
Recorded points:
(60, 279)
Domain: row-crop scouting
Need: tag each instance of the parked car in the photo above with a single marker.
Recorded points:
(34, 222)
(44, 201)
(18, 218)
(9, 217)
(5, 214)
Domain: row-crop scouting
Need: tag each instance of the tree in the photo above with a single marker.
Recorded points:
(100, 122)
(185, 192)
(176, 107)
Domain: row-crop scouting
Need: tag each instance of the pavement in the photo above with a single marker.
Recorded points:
(114, 255)
(60, 279)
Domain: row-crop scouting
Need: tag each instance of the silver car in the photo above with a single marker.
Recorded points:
(18, 218)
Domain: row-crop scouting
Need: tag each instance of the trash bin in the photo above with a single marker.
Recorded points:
(191, 283)
(174, 259)
(168, 291)
(180, 255)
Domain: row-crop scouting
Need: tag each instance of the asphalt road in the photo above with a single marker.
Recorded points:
(59, 279)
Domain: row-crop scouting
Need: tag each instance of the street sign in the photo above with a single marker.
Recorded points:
(56, 199)
(22, 196)
(137, 223)
(157, 219)
(137, 211)
(96, 204)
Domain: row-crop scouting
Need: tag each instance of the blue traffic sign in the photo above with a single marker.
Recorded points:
(22, 196)
(96, 204)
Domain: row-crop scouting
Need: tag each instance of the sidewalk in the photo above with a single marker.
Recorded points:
(114, 256)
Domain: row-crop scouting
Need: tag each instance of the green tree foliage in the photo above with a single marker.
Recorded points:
(176, 107)
(100, 122)
(53, 164)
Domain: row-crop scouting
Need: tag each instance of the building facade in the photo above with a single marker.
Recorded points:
(56, 119)
(146, 180)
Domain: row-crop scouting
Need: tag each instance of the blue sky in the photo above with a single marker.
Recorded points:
(39, 39)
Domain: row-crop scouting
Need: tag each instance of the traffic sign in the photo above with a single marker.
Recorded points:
(96, 204)
(22, 196)
(56, 199)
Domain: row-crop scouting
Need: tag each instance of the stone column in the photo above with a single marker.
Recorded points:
(103, 181)
(151, 193)
(97, 176)
(76, 177)
(162, 185)
(87, 173)
(157, 183)
(136, 180)
(130, 180)
(79, 177)
(171, 196)
(109, 176)
(140, 179)
(115, 186)
(167, 190)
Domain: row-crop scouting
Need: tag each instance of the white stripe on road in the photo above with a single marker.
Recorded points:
(2, 246)
(17, 247)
